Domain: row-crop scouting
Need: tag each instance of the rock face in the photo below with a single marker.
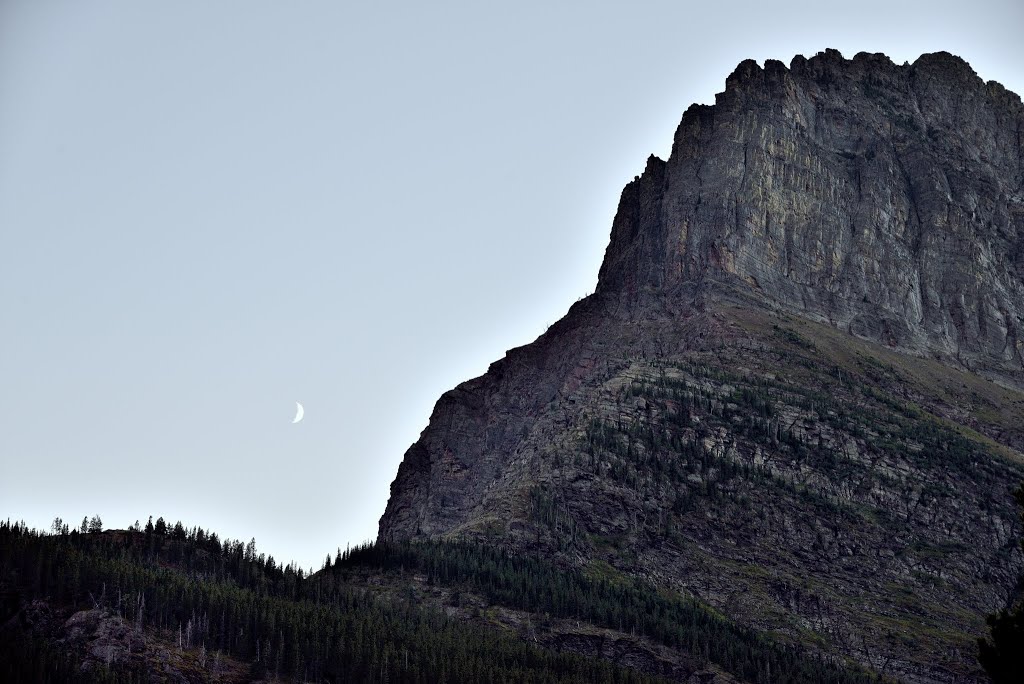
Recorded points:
(796, 393)
(887, 201)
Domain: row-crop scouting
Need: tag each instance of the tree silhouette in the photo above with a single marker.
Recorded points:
(1002, 652)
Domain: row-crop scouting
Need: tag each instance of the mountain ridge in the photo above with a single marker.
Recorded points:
(800, 372)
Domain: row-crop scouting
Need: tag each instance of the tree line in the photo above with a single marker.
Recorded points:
(224, 598)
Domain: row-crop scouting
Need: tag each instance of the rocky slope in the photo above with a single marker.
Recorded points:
(101, 643)
(796, 393)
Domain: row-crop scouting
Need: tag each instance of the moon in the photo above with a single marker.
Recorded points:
(299, 411)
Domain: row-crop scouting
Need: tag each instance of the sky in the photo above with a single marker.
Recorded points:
(212, 210)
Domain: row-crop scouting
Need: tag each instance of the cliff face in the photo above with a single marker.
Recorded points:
(796, 391)
(885, 200)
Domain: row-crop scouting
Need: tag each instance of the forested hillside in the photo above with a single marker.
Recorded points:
(179, 604)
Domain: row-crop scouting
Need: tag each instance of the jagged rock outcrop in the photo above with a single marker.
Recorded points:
(796, 392)
(885, 200)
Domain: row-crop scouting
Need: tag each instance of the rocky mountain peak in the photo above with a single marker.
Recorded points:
(886, 200)
(796, 392)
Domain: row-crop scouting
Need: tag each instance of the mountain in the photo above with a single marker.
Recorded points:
(797, 394)
(777, 444)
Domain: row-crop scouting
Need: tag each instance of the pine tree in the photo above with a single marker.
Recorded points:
(250, 550)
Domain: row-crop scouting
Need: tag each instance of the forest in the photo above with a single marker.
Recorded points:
(231, 613)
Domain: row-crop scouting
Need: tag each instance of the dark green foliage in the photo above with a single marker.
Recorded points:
(618, 602)
(705, 437)
(232, 601)
(550, 512)
(664, 440)
(666, 444)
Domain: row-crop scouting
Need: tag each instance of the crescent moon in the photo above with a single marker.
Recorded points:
(298, 413)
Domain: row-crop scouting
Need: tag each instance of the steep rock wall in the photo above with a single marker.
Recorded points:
(886, 200)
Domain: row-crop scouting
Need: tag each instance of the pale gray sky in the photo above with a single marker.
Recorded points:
(211, 210)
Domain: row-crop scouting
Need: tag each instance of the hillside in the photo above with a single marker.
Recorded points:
(181, 606)
(796, 393)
